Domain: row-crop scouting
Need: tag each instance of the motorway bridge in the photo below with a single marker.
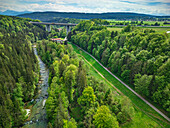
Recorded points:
(48, 25)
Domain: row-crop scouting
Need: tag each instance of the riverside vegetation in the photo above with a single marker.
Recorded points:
(77, 98)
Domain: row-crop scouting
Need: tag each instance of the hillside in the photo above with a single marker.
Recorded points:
(46, 16)
(12, 13)
(19, 72)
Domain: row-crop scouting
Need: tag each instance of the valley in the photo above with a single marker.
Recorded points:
(120, 72)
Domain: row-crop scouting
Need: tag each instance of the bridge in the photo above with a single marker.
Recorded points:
(48, 25)
(68, 25)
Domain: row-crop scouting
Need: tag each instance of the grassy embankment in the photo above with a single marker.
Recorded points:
(144, 113)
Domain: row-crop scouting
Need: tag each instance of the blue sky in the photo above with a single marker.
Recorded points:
(156, 7)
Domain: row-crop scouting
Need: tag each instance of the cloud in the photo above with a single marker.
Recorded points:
(139, 6)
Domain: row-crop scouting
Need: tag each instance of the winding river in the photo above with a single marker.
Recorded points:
(37, 117)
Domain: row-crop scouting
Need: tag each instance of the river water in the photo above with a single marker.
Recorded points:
(37, 117)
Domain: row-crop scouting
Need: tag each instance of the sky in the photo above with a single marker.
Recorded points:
(154, 7)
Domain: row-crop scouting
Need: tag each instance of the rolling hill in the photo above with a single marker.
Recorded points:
(47, 16)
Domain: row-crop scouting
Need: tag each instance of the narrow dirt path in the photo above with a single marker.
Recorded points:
(102, 76)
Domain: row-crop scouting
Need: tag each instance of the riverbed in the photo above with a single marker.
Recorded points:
(37, 117)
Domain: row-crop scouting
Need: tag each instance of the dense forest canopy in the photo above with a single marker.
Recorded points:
(139, 56)
(19, 72)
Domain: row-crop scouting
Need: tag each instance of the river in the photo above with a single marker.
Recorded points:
(37, 117)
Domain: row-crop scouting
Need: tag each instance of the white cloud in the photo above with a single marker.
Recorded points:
(139, 6)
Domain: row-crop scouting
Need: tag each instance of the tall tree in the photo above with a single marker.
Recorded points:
(103, 118)
(87, 99)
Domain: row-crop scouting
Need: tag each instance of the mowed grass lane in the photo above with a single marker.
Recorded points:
(91, 71)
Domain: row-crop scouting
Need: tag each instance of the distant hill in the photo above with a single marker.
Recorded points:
(12, 13)
(47, 16)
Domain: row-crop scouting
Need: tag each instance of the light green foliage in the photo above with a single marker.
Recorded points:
(1, 46)
(71, 67)
(50, 107)
(70, 124)
(65, 59)
(84, 25)
(103, 118)
(74, 61)
(56, 67)
(88, 98)
(69, 83)
(1, 35)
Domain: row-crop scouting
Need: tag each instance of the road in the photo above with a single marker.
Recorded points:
(153, 107)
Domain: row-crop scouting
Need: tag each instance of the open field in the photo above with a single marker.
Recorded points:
(153, 22)
(119, 29)
(113, 22)
(157, 29)
(140, 106)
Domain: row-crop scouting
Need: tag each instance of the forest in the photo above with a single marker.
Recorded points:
(19, 72)
(140, 57)
(77, 99)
